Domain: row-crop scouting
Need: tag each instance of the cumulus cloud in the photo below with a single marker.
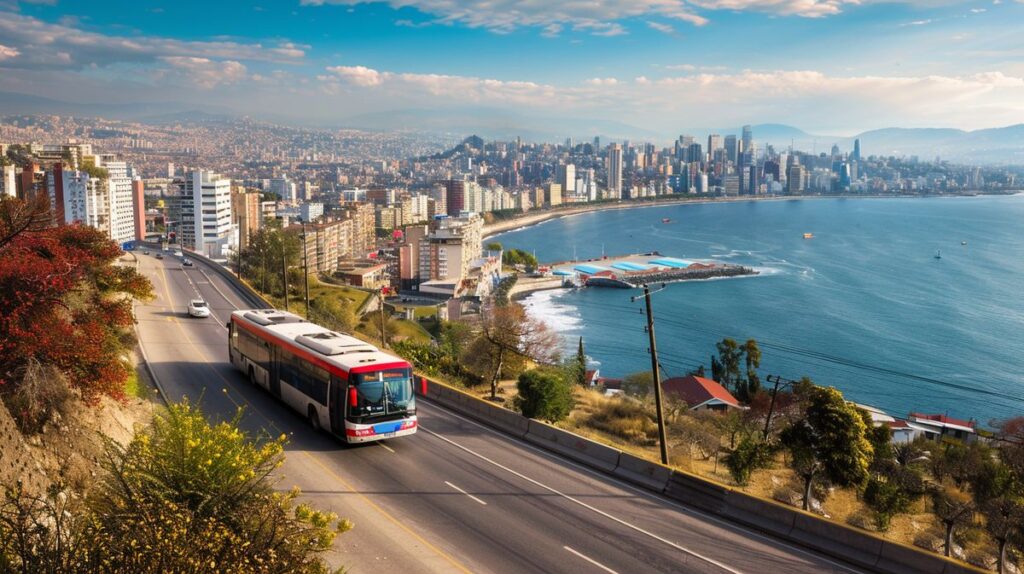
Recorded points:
(357, 75)
(206, 73)
(65, 45)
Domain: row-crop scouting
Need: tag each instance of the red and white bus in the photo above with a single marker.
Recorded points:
(340, 383)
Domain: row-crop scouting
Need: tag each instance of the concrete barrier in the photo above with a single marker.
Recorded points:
(900, 558)
(643, 472)
(765, 515)
(697, 492)
(841, 541)
(573, 446)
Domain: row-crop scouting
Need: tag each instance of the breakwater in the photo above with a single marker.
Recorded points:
(631, 281)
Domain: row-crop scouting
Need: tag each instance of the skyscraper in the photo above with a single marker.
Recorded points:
(748, 138)
(731, 151)
(855, 156)
(615, 170)
(714, 142)
(202, 208)
(567, 178)
(455, 190)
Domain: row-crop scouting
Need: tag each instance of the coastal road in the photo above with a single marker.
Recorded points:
(456, 496)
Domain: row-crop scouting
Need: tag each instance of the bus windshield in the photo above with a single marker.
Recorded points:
(383, 392)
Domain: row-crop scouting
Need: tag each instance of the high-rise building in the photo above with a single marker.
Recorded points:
(795, 179)
(748, 139)
(455, 191)
(615, 171)
(553, 194)
(8, 181)
(567, 178)
(714, 143)
(122, 203)
(731, 151)
(201, 207)
(855, 156)
(139, 208)
(247, 214)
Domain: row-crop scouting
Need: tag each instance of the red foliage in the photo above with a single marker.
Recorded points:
(63, 302)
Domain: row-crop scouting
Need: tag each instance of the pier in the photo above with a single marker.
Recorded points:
(630, 271)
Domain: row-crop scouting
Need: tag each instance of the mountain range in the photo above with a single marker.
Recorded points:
(1003, 145)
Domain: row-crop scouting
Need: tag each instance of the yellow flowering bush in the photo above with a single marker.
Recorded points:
(188, 496)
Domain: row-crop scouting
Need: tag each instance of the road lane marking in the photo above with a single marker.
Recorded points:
(466, 493)
(615, 519)
(591, 560)
(731, 526)
(315, 459)
(386, 447)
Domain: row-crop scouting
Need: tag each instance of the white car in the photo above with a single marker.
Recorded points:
(198, 308)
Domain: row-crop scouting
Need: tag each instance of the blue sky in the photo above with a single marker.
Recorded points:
(828, 66)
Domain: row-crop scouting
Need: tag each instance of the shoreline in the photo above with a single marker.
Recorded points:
(529, 220)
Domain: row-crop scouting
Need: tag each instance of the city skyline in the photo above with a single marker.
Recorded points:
(827, 66)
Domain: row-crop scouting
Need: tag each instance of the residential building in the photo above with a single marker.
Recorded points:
(700, 393)
(201, 207)
(311, 211)
(615, 171)
(447, 253)
(247, 213)
(139, 208)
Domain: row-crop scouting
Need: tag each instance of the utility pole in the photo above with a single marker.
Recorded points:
(656, 372)
(383, 340)
(771, 407)
(284, 274)
(305, 266)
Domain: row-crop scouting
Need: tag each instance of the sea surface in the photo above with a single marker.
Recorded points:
(864, 306)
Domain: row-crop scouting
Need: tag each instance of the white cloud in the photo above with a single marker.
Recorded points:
(801, 97)
(6, 52)
(598, 17)
(918, 23)
(206, 73)
(45, 45)
(357, 75)
(978, 10)
(661, 27)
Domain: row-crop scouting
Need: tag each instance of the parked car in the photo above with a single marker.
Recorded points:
(198, 308)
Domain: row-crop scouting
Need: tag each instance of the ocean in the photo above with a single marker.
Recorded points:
(864, 306)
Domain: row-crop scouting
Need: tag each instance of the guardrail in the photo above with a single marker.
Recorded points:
(853, 546)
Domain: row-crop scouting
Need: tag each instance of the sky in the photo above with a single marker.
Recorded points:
(833, 67)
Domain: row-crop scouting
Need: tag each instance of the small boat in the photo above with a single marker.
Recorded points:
(963, 243)
(938, 254)
(808, 236)
(666, 220)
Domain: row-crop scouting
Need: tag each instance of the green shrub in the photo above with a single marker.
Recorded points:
(887, 499)
(750, 454)
(544, 395)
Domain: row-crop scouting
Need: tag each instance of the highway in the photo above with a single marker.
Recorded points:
(455, 497)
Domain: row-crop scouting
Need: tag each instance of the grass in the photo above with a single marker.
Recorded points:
(419, 311)
(134, 387)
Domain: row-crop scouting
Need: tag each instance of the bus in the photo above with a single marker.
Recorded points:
(339, 383)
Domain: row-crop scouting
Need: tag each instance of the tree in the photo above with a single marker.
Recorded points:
(639, 385)
(726, 368)
(508, 333)
(954, 508)
(262, 259)
(829, 441)
(750, 385)
(493, 246)
(18, 217)
(749, 455)
(1004, 521)
(335, 313)
(67, 305)
(581, 365)
(887, 498)
(544, 395)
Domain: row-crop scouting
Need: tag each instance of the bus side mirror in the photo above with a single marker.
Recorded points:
(423, 386)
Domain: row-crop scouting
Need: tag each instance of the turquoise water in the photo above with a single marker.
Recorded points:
(867, 289)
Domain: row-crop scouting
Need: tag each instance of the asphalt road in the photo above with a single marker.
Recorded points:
(455, 497)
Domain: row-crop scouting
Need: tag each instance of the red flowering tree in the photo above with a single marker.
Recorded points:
(64, 303)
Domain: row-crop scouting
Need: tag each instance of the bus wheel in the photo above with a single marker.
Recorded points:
(314, 420)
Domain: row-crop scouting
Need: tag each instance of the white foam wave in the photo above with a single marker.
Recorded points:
(546, 306)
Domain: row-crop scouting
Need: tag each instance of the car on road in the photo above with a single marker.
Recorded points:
(187, 263)
(145, 252)
(198, 308)
(159, 255)
(179, 254)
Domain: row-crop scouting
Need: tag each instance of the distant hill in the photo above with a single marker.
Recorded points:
(12, 103)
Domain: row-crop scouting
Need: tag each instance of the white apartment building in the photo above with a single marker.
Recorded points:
(105, 203)
(204, 213)
(119, 191)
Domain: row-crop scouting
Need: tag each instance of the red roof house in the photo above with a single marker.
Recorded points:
(700, 393)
